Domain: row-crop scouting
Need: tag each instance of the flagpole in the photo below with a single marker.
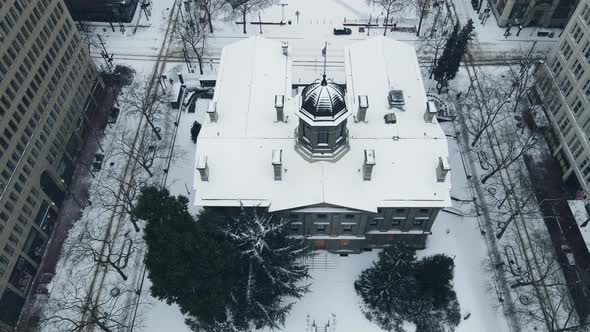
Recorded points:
(325, 56)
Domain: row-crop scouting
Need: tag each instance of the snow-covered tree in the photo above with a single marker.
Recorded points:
(271, 263)
(398, 288)
(189, 263)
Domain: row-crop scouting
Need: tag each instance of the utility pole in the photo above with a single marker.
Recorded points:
(108, 59)
(259, 22)
(369, 25)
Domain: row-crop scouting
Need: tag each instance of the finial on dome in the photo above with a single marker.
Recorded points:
(324, 81)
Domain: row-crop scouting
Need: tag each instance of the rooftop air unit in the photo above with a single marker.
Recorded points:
(390, 118)
(363, 106)
(396, 98)
(279, 107)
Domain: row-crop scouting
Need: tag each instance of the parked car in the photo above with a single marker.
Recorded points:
(568, 254)
(342, 31)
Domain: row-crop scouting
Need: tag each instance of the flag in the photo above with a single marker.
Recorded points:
(324, 51)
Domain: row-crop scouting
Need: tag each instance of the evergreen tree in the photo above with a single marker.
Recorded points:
(189, 264)
(227, 273)
(443, 72)
(271, 268)
(398, 288)
(195, 129)
(388, 281)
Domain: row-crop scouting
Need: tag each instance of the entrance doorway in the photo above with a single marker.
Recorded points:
(319, 244)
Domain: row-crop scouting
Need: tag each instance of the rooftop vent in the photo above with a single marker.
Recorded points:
(277, 164)
(442, 169)
(212, 111)
(396, 98)
(390, 118)
(203, 168)
(368, 164)
(363, 106)
(279, 107)
(285, 47)
(431, 111)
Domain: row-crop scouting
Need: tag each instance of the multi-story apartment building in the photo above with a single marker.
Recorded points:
(545, 13)
(563, 88)
(352, 165)
(48, 91)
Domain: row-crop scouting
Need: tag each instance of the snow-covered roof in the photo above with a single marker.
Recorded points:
(578, 208)
(239, 145)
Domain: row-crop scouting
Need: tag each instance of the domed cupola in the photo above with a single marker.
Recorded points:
(323, 101)
(322, 132)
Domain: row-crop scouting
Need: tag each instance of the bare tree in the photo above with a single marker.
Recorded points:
(191, 35)
(543, 295)
(144, 98)
(485, 105)
(245, 6)
(119, 194)
(512, 145)
(63, 311)
(212, 7)
(144, 152)
(521, 73)
(390, 7)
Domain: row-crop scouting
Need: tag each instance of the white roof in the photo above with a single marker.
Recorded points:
(578, 208)
(239, 146)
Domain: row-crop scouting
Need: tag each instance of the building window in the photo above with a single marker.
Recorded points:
(373, 223)
(347, 228)
(585, 15)
(586, 51)
(566, 50)
(294, 227)
(320, 228)
(576, 33)
(349, 216)
(396, 221)
(418, 222)
(322, 216)
(423, 211)
(577, 69)
(322, 138)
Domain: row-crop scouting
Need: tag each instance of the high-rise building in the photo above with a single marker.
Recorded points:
(563, 88)
(48, 91)
(549, 14)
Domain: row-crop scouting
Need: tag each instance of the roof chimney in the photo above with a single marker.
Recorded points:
(430, 112)
(279, 106)
(212, 111)
(285, 46)
(368, 164)
(203, 168)
(277, 164)
(363, 106)
(442, 169)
